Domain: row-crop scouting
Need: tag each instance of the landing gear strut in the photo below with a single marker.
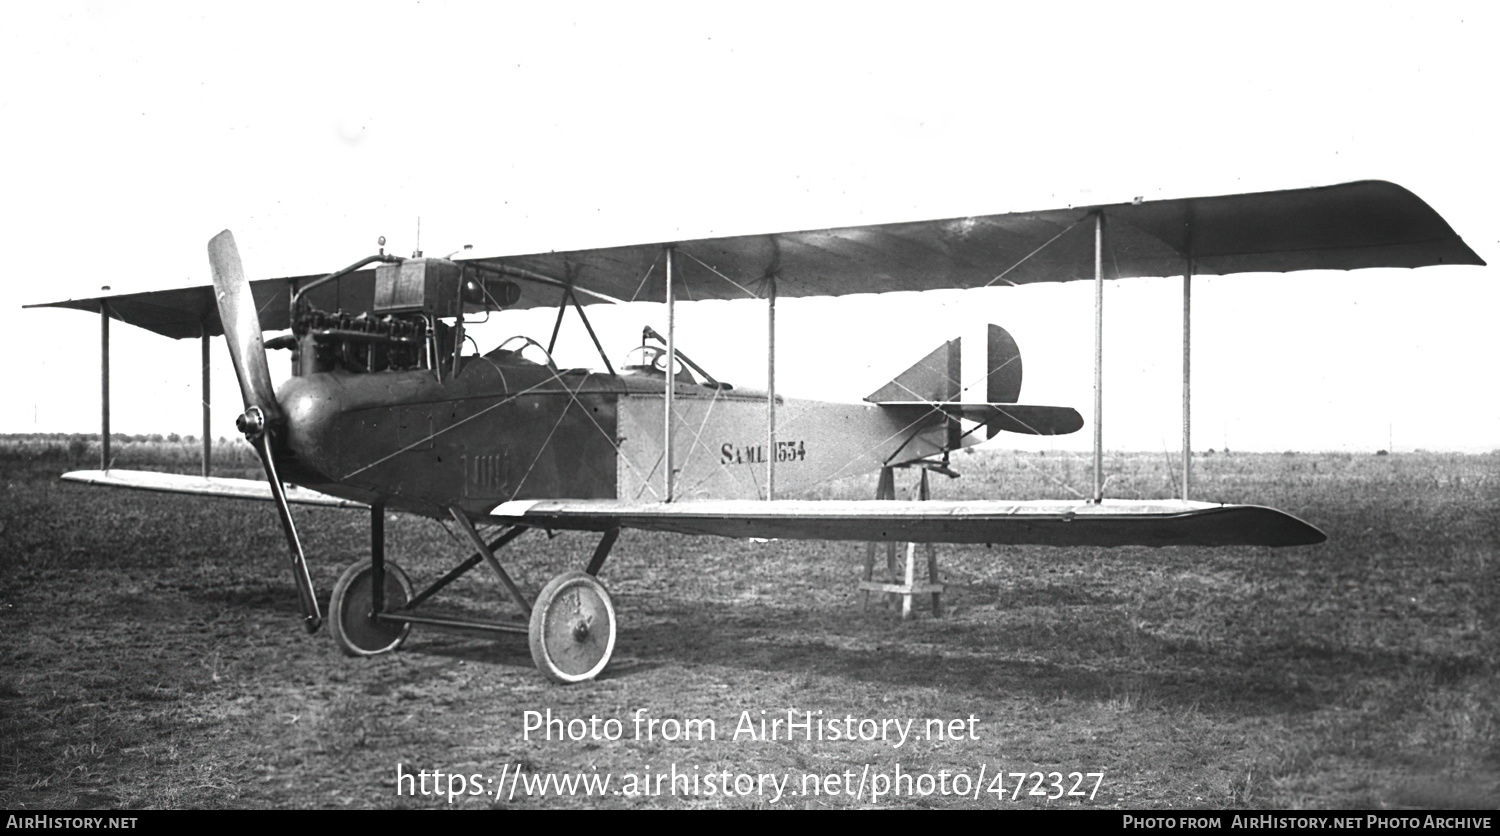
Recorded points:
(570, 628)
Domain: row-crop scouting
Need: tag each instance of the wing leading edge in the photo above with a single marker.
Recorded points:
(1047, 522)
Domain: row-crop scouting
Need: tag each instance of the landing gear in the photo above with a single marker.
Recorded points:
(572, 630)
(570, 626)
(355, 627)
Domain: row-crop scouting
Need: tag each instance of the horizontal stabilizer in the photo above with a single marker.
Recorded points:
(1003, 417)
(1046, 522)
(204, 486)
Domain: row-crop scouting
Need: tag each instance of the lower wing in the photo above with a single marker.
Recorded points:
(204, 486)
(1044, 522)
(1047, 522)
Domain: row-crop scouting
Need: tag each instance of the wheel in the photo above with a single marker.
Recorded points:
(572, 628)
(357, 633)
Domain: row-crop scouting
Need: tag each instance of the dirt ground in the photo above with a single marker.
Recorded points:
(150, 657)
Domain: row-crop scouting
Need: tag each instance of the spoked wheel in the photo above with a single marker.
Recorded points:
(354, 628)
(572, 628)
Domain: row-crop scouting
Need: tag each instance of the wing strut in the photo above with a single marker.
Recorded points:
(1187, 370)
(771, 388)
(103, 385)
(671, 377)
(1098, 357)
(208, 444)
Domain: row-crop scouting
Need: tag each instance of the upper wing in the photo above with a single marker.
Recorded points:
(1366, 224)
(1051, 523)
(1355, 225)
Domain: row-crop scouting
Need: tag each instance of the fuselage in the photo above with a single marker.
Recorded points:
(506, 428)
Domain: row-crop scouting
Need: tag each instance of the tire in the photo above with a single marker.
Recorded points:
(355, 631)
(572, 631)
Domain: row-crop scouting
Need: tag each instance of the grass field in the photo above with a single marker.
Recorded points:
(150, 653)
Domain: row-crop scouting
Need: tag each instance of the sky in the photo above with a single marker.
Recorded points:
(133, 132)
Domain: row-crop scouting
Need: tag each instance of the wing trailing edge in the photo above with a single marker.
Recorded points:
(1047, 522)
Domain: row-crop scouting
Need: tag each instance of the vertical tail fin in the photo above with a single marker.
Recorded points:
(934, 378)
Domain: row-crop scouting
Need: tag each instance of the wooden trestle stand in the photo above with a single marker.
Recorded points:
(909, 585)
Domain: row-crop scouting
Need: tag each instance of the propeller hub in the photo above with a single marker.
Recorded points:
(252, 423)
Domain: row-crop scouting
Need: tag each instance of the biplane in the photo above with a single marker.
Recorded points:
(392, 406)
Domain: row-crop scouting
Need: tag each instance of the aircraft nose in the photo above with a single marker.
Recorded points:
(311, 407)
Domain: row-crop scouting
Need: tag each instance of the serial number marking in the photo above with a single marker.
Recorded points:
(786, 451)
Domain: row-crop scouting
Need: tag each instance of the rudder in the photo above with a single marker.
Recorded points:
(1003, 367)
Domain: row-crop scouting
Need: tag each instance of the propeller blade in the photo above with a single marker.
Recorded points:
(263, 414)
(241, 325)
(312, 617)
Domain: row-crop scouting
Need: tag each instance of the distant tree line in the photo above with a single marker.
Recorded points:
(169, 438)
